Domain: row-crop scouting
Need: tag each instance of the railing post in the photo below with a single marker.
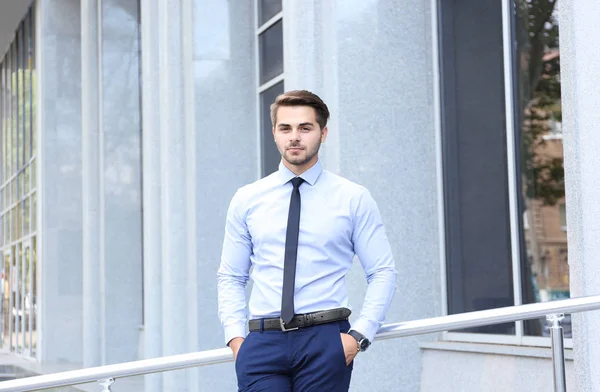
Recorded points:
(558, 352)
(106, 383)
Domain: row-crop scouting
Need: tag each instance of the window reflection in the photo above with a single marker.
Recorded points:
(270, 72)
(545, 270)
(18, 192)
(271, 52)
(270, 155)
(268, 9)
(6, 300)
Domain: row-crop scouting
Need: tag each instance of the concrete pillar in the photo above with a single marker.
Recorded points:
(111, 138)
(224, 81)
(579, 32)
(121, 192)
(311, 62)
(152, 336)
(170, 186)
(59, 178)
(93, 208)
(373, 64)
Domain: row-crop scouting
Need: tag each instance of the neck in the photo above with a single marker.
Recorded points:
(299, 169)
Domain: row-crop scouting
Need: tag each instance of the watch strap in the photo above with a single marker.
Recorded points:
(363, 342)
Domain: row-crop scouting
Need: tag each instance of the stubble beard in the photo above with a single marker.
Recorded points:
(298, 160)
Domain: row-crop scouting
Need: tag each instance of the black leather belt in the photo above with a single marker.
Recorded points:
(300, 320)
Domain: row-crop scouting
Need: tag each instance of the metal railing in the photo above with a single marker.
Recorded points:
(105, 375)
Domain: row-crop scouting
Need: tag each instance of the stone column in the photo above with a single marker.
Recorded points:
(112, 249)
(91, 183)
(311, 62)
(121, 182)
(373, 64)
(579, 32)
(59, 180)
(226, 108)
(170, 187)
(152, 343)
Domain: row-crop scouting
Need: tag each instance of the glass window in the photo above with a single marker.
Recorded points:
(15, 103)
(267, 9)
(19, 297)
(33, 169)
(27, 277)
(22, 103)
(542, 197)
(562, 212)
(26, 180)
(2, 127)
(27, 93)
(6, 228)
(479, 262)
(13, 111)
(18, 213)
(270, 56)
(475, 149)
(270, 154)
(9, 299)
(271, 52)
(33, 212)
(26, 217)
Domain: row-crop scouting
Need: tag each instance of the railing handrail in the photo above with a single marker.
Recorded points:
(389, 331)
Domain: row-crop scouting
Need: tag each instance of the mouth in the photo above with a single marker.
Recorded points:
(295, 149)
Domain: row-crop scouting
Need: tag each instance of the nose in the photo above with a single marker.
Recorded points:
(294, 135)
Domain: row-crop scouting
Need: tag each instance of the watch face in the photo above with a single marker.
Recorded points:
(364, 344)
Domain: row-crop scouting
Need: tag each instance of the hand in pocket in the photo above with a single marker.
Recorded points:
(350, 347)
(235, 346)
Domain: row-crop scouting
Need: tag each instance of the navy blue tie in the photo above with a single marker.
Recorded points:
(291, 253)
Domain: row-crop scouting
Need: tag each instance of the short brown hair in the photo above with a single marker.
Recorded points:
(301, 98)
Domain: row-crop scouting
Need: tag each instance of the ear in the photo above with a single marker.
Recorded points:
(324, 134)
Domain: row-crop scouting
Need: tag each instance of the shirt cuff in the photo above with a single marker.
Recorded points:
(367, 328)
(237, 330)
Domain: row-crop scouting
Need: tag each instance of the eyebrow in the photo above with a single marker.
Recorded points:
(301, 125)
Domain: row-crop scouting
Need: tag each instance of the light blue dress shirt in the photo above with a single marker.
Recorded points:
(338, 219)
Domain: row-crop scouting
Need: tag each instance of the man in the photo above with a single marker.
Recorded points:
(299, 228)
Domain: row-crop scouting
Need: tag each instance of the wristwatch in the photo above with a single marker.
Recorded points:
(363, 343)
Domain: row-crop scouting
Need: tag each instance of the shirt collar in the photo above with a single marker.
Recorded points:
(310, 176)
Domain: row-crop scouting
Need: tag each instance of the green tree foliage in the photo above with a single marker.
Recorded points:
(539, 88)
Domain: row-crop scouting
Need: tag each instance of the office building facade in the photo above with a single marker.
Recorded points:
(127, 125)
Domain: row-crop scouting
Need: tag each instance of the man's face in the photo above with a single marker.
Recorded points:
(298, 136)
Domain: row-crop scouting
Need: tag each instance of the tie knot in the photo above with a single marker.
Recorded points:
(296, 182)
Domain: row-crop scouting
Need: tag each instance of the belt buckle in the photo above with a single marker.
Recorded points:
(284, 328)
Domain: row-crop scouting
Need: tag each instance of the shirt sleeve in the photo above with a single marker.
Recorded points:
(372, 247)
(233, 273)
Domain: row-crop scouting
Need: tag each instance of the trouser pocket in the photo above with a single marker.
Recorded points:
(339, 328)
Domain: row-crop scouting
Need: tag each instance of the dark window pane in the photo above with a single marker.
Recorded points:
(479, 262)
(267, 9)
(14, 110)
(22, 98)
(34, 298)
(3, 121)
(32, 77)
(538, 114)
(270, 155)
(27, 90)
(271, 52)
(33, 88)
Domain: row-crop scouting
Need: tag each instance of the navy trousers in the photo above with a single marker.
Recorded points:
(304, 360)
